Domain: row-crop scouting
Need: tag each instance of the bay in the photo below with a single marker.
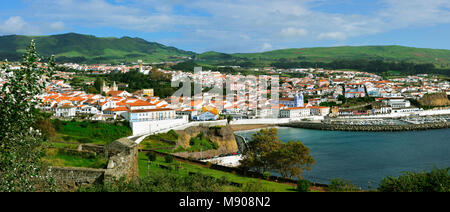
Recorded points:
(364, 158)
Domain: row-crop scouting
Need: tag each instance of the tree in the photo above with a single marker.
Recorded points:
(98, 84)
(266, 152)
(259, 154)
(229, 119)
(20, 166)
(292, 158)
(438, 180)
(46, 127)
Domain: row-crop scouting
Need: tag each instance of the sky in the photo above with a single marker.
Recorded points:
(233, 26)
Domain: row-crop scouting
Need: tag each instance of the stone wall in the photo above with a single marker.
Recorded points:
(72, 177)
(375, 128)
(122, 163)
(92, 148)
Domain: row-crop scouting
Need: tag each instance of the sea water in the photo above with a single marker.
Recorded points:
(364, 158)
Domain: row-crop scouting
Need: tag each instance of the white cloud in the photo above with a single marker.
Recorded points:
(234, 26)
(293, 32)
(332, 35)
(57, 26)
(266, 47)
(13, 25)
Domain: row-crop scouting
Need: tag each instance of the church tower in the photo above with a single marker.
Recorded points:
(114, 87)
(104, 88)
(299, 100)
(140, 66)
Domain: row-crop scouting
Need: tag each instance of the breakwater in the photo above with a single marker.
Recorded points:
(368, 128)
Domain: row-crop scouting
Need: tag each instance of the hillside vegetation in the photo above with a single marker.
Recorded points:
(80, 48)
(438, 57)
(72, 47)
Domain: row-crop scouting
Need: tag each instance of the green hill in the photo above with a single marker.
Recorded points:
(438, 57)
(80, 48)
(213, 57)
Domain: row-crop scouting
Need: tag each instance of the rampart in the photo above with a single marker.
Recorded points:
(373, 128)
(122, 157)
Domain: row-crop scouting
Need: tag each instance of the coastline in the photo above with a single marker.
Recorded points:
(367, 128)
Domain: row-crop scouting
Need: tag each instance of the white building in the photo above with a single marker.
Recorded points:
(397, 102)
(65, 111)
(295, 112)
(319, 110)
(86, 109)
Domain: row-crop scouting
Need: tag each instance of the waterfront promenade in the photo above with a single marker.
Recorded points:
(387, 122)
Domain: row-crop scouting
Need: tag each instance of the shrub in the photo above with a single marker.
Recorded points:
(438, 180)
(266, 175)
(208, 164)
(303, 185)
(338, 185)
(173, 134)
(215, 145)
(57, 124)
(84, 124)
(168, 158)
(66, 138)
(84, 140)
(151, 156)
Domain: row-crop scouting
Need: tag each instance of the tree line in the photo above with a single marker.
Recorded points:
(372, 66)
(159, 81)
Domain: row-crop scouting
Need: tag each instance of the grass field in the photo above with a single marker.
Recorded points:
(89, 132)
(56, 157)
(145, 169)
(161, 140)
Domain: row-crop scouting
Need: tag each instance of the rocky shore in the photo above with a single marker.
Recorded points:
(372, 128)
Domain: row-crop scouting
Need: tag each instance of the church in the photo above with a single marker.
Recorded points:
(297, 101)
(106, 89)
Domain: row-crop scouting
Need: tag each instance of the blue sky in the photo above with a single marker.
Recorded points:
(238, 25)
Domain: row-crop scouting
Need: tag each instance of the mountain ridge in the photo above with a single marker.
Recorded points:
(91, 49)
(81, 48)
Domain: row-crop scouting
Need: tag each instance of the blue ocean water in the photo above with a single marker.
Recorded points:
(364, 158)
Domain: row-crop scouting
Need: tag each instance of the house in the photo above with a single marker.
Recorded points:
(319, 110)
(206, 116)
(140, 105)
(86, 109)
(66, 111)
(295, 112)
(190, 113)
(150, 115)
(115, 111)
(118, 94)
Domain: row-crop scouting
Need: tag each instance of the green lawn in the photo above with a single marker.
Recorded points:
(145, 169)
(61, 145)
(89, 132)
(163, 140)
(55, 157)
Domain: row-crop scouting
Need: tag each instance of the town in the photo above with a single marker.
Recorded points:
(317, 95)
